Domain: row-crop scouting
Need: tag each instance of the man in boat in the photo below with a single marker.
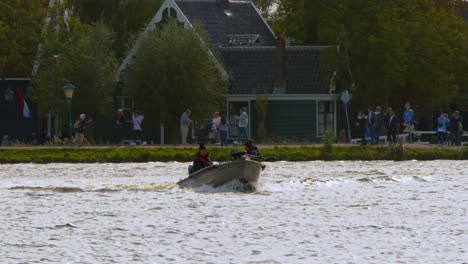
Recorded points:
(251, 149)
(202, 159)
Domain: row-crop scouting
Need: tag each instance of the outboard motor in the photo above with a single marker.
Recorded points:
(237, 155)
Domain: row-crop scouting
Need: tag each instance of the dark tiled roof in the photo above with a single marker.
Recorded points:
(243, 21)
(252, 70)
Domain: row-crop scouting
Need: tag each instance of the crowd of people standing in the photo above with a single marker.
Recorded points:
(449, 129)
(372, 125)
(217, 128)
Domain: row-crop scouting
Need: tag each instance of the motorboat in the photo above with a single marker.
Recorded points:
(242, 168)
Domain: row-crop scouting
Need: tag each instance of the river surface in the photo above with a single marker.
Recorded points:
(302, 212)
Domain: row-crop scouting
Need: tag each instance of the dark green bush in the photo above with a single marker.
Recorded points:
(286, 153)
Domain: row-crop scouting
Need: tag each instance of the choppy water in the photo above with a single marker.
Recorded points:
(305, 212)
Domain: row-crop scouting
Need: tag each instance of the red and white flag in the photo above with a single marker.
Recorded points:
(24, 109)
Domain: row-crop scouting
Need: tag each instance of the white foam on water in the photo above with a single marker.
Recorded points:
(305, 212)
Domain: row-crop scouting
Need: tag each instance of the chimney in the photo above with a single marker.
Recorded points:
(280, 66)
(223, 4)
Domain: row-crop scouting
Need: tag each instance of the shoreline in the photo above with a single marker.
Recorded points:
(261, 145)
(184, 153)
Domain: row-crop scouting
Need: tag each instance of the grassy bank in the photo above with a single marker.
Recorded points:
(286, 153)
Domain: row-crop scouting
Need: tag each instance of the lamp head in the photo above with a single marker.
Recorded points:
(8, 95)
(68, 90)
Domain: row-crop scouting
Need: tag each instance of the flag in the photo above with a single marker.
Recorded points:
(24, 108)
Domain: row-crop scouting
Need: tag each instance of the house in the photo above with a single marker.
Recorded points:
(287, 83)
(17, 111)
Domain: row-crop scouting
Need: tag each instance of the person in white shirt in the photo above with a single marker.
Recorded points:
(243, 123)
(216, 124)
(137, 119)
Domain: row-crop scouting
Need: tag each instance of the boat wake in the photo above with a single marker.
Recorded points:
(58, 189)
(144, 187)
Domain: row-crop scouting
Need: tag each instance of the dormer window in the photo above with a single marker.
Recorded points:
(228, 13)
(244, 40)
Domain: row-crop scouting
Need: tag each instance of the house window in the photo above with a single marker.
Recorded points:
(168, 12)
(325, 117)
(244, 39)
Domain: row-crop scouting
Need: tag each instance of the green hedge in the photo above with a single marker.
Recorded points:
(164, 154)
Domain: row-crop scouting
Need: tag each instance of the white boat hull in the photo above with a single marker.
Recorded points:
(244, 171)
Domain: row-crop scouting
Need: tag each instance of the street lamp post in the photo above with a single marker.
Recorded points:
(68, 90)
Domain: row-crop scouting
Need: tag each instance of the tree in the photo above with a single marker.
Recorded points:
(401, 50)
(97, 74)
(390, 51)
(81, 54)
(125, 18)
(296, 19)
(20, 33)
(172, 72)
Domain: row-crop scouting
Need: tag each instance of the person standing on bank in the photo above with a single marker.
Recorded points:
(370, 125)
(408, 117)
(392, 126)
(456, 129)
(243, 123)
(442, 123)
(216, 124)
(386, 119)
(378, 120)
(80, 126)
(137, 119)
(223, 131)
(185, 125)
(362, 124)
(119, 122)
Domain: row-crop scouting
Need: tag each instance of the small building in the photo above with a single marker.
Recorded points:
(17, 112)
(285, 89)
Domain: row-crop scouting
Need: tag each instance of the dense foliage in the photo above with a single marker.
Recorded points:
(79, 53)
(172, 72)
(125, 18)
(20, 34)
(391, 51)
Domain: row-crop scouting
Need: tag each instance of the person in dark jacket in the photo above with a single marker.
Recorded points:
(393, 126)
(386, 118)
(456, 129)
(378, 120)
(362, 124)
(202, 159)
(119, 122)
(251, 149)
